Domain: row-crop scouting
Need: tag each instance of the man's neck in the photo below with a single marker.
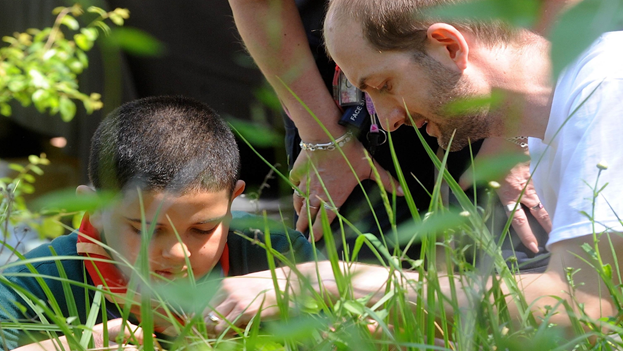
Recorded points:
(523, 73)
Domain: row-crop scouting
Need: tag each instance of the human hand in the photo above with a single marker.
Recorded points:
(239, 300)
(510, 189)
(331, 169)
(132, 334)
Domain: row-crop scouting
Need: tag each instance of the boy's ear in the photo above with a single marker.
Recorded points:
(238, 189)
(94, 218)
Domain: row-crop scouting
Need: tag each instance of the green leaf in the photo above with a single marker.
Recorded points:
(75, 65)
(124, 13)
(256, 134)
(70, 22)
(99, 11)
(67, 108)
(607, 270)
(354, 307)
(76, 220)
(36, 169)
(16, 167)
(5, 109)
(116, 19)
(52, 227)
(466, 106)
(90, 33)
(34, 159)
(26, 188)
(38, 79)
(70, 202)
(83, 42)
(520, 13)
(82, 57)
(267, 96)
(16, 85)
(29, 178)
(136, 42)
(494, 167)
(580, 26)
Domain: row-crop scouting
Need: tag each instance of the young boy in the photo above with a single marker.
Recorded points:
(175, 164)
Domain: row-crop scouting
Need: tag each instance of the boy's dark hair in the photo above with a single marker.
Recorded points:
(164, 143)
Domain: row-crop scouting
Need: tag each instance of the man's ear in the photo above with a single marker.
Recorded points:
(448, 45)
(238, 189)
(94, 218)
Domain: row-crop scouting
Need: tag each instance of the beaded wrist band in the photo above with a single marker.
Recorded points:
(330, 146)
(522, 141)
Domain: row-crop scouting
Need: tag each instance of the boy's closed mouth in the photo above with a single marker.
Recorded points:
(172, 273)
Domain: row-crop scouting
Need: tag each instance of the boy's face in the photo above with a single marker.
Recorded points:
(200, 219)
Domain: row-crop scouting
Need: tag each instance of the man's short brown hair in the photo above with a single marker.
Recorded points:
(401, 25)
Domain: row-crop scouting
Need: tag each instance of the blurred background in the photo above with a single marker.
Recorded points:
(196, 53)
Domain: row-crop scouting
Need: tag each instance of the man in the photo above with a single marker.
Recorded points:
(284, 39)
(401, 57)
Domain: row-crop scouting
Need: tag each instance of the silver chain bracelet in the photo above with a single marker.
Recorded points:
(522, 141)
(330, 146)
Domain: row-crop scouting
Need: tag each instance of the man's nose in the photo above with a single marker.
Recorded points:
(391, 119)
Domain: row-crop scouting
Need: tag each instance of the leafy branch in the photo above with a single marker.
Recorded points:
(41, 67)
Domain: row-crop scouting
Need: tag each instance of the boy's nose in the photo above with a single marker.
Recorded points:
(176, 250)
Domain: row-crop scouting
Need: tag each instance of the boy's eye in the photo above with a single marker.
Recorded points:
(139, 231)
(204, 232)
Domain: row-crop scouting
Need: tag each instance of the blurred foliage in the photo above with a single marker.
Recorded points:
(571, 34)
(580, 26)
(41, 66)
(520, 13)
(13, 209)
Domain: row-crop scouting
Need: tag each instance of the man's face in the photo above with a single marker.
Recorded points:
(397, 79)
(201, 220)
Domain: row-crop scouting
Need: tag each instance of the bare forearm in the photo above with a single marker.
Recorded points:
(274, 36)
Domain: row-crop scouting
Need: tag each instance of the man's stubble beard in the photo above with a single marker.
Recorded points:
(448, 86)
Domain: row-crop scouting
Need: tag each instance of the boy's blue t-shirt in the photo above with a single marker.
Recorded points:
(246, 255)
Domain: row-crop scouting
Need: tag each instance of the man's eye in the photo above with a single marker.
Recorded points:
(385, 88)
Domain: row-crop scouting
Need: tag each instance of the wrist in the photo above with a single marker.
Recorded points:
(327, 146)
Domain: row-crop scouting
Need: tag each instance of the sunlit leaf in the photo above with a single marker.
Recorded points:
(136, 42)
(580, 26)
(5, 109)
(432, 225)
(268, 97)
(26, 188)
(68, 201)
(256, 134)
(495, 167)
(52, 227)
(90, 33)
(83, 42)
(465, 106)
(520, 13)
(190, 298)
(296, 328)
(36, 169)
(16, 167)
(67, 108)
(70, 22)
(34, 159)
